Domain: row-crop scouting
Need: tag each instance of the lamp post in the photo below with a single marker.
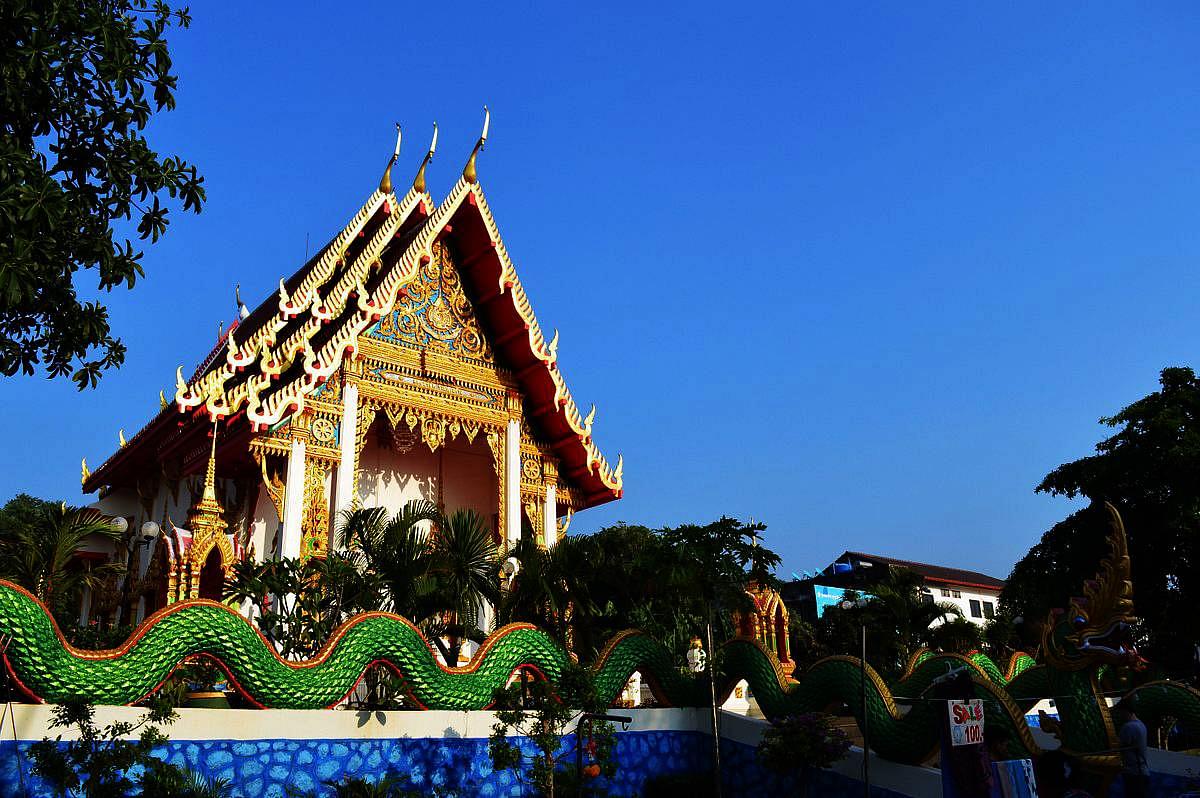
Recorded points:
(866, 716)
(149, 532)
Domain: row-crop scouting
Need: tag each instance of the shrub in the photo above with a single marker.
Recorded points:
(807, 740)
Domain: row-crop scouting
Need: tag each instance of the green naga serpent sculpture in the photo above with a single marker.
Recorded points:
(1093, 632)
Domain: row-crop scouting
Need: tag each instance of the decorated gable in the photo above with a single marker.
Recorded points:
(436, 314)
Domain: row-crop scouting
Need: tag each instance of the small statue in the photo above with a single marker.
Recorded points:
(696, 658)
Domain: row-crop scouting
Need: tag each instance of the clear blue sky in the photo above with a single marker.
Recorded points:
(863, 274)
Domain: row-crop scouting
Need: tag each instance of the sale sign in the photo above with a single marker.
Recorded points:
(966, 722)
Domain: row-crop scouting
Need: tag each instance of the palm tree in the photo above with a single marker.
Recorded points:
(958, 635)
(398, 551)
(437, 570)
(464, 568)
(903, 616)
(555, 589)
(40, 557)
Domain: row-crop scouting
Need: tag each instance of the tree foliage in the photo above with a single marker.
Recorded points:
(438, 579)
(899, 621)
(39, 550)
(79, 82)
(99, 763)
(664, 582)
(542, 713)
(1150, 470)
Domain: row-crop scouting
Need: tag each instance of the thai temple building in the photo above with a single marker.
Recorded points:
(402, 361)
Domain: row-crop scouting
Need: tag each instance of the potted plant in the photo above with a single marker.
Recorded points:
(802, 743)
(198, 682)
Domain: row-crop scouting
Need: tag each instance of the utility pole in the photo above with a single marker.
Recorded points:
(866, 718)
(712, 687)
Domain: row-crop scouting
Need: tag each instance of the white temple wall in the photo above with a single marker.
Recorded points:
(389, 479)
(264, 528)
(122, 503)
(458, 474)
(470, 478)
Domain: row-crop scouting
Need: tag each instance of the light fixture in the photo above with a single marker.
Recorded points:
(150, 531)
(119, 524)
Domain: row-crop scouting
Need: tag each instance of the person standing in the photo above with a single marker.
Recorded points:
(1135, 771)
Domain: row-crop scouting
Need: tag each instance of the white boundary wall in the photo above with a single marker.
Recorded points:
(33, 723)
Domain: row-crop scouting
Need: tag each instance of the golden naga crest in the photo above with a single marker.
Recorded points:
(1096, 628)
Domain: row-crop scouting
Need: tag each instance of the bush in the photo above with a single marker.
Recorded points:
(797, 742)
(102, 765)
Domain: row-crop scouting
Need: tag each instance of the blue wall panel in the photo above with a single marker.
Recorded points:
(449, 766)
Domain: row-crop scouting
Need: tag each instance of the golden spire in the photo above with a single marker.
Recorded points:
(86, 472)
(121, 437)
(210, 477)
(419, 180)
(469, 170)
(162, 401)
(206, 514)
(385, 182)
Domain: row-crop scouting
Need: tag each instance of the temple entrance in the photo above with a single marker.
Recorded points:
(212, 576)
(396, 467)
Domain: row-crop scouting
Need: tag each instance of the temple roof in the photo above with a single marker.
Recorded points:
(933, 573)
(268, 365)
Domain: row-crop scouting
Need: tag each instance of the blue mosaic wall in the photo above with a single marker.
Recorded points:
(451, 766)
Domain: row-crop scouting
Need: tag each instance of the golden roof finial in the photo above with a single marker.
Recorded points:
(419, 180)
(86, 472)
(162, 400)
(385, 182)
(181, 388)
(469, 173)
(121, 437)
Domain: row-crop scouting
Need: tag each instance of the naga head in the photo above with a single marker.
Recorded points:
(1096, 628)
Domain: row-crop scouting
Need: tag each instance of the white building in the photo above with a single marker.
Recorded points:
(975, 594)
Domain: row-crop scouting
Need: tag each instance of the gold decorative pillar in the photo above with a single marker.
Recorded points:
(315, 525)
(495, 441)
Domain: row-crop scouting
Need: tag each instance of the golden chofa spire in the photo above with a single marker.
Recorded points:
(205, 515)
(469, 173)
(385, 182)
(419, 180)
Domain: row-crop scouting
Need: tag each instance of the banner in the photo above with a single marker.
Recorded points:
(966, 722)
